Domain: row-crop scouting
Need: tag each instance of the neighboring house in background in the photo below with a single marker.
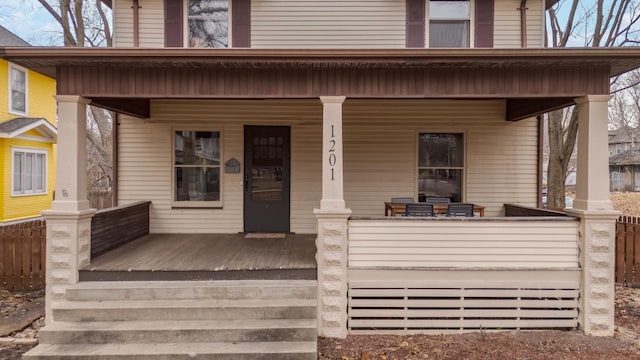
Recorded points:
(624, 159)
(621, 140)
(27, 137)
(305, 117)
(624, 170)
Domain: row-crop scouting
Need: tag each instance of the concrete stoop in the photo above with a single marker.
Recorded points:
(251, 319)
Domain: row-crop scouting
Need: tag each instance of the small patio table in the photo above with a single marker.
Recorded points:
(395, 208)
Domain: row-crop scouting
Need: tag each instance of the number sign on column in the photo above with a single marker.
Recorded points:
(332, 154)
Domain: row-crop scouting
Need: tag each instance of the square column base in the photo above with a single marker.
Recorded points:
(332, 256)
(597, 262)
(68, 249)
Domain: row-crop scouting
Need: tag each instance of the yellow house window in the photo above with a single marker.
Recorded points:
(17, 90)
(29, 172)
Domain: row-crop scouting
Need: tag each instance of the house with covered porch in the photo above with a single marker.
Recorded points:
(267, 136)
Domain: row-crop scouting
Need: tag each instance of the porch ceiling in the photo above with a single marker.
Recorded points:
(531, 80)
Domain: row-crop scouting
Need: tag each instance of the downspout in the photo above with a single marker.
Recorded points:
(114, 158)
(136, 30)
(523, 23)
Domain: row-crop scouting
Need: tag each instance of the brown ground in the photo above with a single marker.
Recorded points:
(628, 203)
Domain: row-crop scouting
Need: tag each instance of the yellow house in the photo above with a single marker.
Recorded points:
(27, 137)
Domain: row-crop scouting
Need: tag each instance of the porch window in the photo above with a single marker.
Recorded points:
(441, 165)
(29, 172)
(208, 22)
(449, 23)
(197, 181)
(17, 90)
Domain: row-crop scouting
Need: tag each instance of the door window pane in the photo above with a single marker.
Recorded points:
(266, 183)
(208, 23)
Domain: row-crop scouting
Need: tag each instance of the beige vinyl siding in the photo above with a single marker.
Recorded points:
(476, 243)
(379, 155)
(151, 23)
(145, 153)
(328, 24)
(507, 24)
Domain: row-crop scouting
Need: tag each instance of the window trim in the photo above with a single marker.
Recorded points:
(175, 204)
(36, 151)
(26, 90)
(185, 25)
(416, 160)
(472, 24)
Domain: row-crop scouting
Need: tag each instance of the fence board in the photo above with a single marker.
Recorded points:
(22, 254)
(628, 250)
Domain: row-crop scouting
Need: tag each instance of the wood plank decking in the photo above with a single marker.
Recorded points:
(206, 256)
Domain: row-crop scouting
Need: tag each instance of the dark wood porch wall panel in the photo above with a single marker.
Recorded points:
(113, 227)
(104, 82)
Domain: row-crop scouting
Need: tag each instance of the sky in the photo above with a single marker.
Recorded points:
(29, 20)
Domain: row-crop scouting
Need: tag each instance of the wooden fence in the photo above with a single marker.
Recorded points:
(628, 251)
(99, 199)
(22, 254)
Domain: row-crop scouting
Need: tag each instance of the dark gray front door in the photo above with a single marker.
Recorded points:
(266, 178)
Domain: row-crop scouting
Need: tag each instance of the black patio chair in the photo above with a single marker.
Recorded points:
(401, 200)
(437, 200)
(465, 210)
(419, 210)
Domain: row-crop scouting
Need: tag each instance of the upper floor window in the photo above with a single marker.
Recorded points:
(29, 173)
(17, 90)
(208, 23)
(449, 23)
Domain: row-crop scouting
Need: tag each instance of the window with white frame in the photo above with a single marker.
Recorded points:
(208, 23)
(441, 165)
(29, 171)
(17, 90)
(196, 169)
(449, 23)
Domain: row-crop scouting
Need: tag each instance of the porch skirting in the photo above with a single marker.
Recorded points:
(401, 301)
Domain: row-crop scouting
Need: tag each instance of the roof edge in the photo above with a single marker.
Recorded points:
(49, 129)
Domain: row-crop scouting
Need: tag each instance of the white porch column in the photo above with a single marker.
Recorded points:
(597, 217)
(332, 218)
(69, 220)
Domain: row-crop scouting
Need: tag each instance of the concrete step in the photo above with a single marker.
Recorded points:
(176, 351)
(192, 331)
(127, 310)
(193, 290)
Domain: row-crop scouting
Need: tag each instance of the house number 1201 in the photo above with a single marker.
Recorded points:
(332, 155)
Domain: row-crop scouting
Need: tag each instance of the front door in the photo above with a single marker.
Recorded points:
(266, 178)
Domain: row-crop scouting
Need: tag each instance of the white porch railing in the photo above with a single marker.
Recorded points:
(451, 275)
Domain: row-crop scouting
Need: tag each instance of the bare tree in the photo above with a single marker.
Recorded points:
(597, 24)
(85, 24)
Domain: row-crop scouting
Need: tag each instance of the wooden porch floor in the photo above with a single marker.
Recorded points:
(206, 256)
